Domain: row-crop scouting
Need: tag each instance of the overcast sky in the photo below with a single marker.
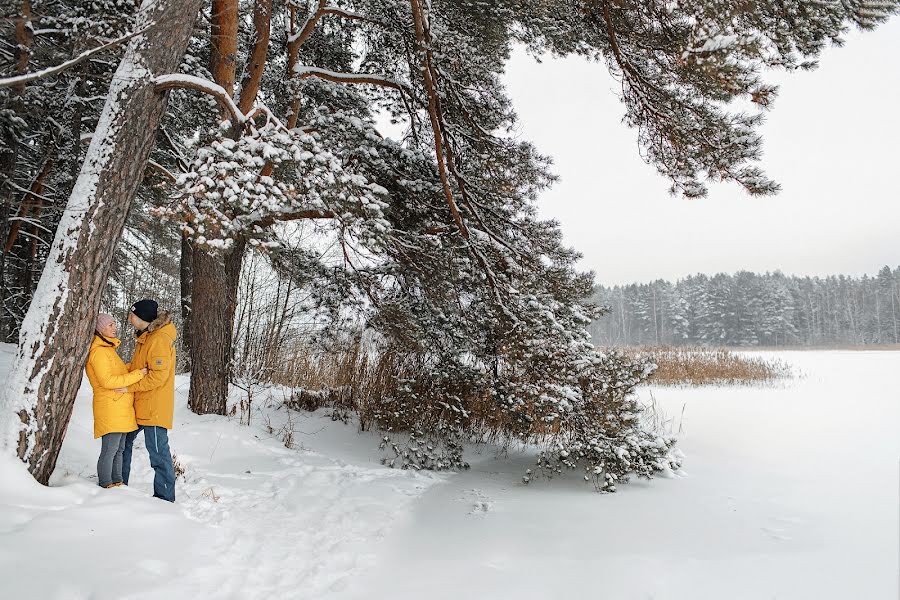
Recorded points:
(832, 140)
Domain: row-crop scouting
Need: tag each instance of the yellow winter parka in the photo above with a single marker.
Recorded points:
(154, 395)
(113, 411)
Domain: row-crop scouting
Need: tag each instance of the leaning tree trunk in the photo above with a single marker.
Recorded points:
(214, 292)
(56, 332)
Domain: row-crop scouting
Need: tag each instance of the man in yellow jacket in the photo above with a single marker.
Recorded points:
(154, 395)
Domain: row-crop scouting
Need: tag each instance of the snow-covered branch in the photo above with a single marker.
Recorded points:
(199, 84)
(346, 14)
(304, 32)
(295, 40)
(303, 72)
(161, 170)
(270, 116)
(29, 77)
(295, 216)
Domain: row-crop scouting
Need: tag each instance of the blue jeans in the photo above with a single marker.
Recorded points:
(157, 441)
(109, 465)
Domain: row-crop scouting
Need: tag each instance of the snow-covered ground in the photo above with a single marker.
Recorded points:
(789, 491)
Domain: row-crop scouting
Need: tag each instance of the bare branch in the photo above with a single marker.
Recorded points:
(161, 169)
(419, 19)
(346, 14)
(262, 19)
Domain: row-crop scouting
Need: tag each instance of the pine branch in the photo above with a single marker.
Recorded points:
(295, 216)
(304, 72)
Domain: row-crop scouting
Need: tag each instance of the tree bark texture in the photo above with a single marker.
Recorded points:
(223, 37)
(262, 18)
(214, 293)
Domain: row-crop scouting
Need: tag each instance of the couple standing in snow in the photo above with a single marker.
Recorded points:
(139, 396)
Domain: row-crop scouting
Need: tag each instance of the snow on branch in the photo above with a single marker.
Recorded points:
(303, 72)
(30, 221)
(353, 16)
(295, 216)
(29, 77)
(161, 170)
(199, 84)
(304, 32)
(26, 191)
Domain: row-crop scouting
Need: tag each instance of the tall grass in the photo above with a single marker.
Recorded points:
(712, 366)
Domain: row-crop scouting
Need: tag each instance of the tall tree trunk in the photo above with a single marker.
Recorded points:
(186, 272)
(213, 298)
(210, 336)
(262, 18)
(56, 332)
(223, 37)
(215, 290)
(24, 40)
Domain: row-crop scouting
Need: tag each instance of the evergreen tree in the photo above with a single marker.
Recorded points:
(747, 309)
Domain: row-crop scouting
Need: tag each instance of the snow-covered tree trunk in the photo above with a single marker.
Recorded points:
(56, 332)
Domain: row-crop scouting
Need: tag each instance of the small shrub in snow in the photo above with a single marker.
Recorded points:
(179, 468)
(427, 408)
(432, 452)
(609, 436)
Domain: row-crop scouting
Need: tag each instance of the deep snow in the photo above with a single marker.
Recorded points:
(790, 492)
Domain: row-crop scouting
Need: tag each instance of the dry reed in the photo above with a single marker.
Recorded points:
(712, 366)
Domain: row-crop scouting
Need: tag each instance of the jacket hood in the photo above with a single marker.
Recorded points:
(98, 342)
(163, 325)
(161, 321)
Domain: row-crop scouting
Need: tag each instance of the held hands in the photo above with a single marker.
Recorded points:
(122, 390)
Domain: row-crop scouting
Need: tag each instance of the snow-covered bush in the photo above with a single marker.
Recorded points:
(608, 435)
(437, 451)
(426, 411)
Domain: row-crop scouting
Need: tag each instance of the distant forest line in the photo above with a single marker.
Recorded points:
(750, 309)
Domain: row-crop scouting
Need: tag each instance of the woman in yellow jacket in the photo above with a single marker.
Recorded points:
(113, 403)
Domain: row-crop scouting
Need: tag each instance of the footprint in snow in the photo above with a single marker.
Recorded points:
(481, 504)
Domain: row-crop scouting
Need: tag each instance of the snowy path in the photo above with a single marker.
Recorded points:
(253, 519)
(297, 523)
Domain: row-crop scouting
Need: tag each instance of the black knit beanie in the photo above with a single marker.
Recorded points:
(146, 310)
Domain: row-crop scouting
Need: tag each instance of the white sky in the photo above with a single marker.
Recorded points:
(832, 140)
